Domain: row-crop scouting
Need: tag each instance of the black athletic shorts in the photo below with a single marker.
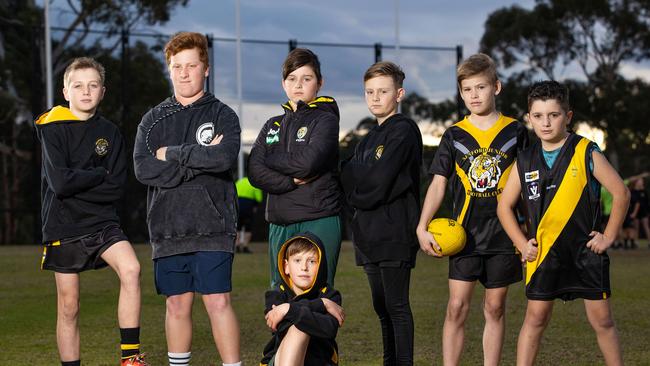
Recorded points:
(246, 214)
(570, 273)
(492, 270)
(81, 253)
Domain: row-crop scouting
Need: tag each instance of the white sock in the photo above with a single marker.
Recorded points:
(232, 364)
(179, 359)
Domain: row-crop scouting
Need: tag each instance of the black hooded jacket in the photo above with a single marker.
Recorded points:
(382, 184)
(299, 144)
(191, 197)
(306, 311)
(82, 174)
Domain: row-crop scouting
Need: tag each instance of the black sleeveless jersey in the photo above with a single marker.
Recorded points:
(562, 210)
(477, 164)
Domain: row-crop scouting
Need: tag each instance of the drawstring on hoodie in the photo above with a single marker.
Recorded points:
(168, 114)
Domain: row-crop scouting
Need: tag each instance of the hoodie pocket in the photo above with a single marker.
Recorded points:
(184, 212)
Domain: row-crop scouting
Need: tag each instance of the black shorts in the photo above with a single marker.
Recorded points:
(246, 214)
(492, 270)
(568, 272)
(81, 253)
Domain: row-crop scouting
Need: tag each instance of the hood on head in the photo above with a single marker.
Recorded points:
(327, 104)
(56, 114)
(320, 282)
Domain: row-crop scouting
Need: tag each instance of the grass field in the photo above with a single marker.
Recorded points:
(28, 308)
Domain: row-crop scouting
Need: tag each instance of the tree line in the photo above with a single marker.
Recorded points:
(587, 44)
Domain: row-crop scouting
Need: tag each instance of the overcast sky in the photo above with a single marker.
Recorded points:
(421, 23)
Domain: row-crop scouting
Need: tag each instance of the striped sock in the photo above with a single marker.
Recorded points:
(130, 341)
(179, 358)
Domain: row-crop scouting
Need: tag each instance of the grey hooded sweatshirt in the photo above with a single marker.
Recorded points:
(191, 198)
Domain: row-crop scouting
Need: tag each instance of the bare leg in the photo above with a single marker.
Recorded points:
(178, 322)
(225, 327)
(453, 332)
(538, 315)
(67, 315)
(494, 308)
(122, 259)
(293, 348)
(600, 318)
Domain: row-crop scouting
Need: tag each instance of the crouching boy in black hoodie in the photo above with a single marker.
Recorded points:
(303, 312)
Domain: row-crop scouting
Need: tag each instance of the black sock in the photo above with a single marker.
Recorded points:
(71, 363)
(130, 342)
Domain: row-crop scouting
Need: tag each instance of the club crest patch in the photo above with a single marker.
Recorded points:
(484, 172)
(379, 151)
(533, 190)
(205, 134)
(302, 131)
(101, 147)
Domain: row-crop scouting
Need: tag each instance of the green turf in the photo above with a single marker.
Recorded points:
(28, 308)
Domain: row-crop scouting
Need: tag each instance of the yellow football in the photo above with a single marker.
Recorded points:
(449, 235)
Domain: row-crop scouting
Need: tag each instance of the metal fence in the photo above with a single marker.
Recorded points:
(430, 72)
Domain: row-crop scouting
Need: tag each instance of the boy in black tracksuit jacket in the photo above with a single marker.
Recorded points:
(83, 177)
(381, 182)
(295, 160)
(303, 311)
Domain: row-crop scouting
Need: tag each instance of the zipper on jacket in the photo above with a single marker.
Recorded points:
(286, 134)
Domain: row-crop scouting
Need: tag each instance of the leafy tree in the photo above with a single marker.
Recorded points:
(594, 37)
(22, 94)
(420, 108)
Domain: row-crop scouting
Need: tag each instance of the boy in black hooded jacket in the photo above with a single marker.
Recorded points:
(303, 312)
(83, 173)
(381, 182)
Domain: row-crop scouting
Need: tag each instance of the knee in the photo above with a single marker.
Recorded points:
(379, 304)
(69, 309)
(602, 323)
(493, 310)
(178, 307)
(217, 303)
(457, 310)
(397, 307)
(296, 333)
(537, 319)
(130, 273)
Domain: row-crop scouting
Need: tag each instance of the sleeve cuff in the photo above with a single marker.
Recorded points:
(101, 171)
(292, 313)
(173, 153)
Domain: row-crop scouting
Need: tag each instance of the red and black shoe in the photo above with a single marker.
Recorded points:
(135, 360)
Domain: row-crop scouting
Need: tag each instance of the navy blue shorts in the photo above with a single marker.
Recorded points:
(202, 272)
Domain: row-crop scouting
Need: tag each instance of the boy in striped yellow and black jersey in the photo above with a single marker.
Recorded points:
(476, 156)
(559, 181)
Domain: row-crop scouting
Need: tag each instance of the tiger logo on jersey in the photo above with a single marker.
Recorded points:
(484, 173)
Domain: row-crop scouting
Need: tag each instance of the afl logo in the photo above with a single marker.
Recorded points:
(101, 147)
(205, 133)
(378, 151)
